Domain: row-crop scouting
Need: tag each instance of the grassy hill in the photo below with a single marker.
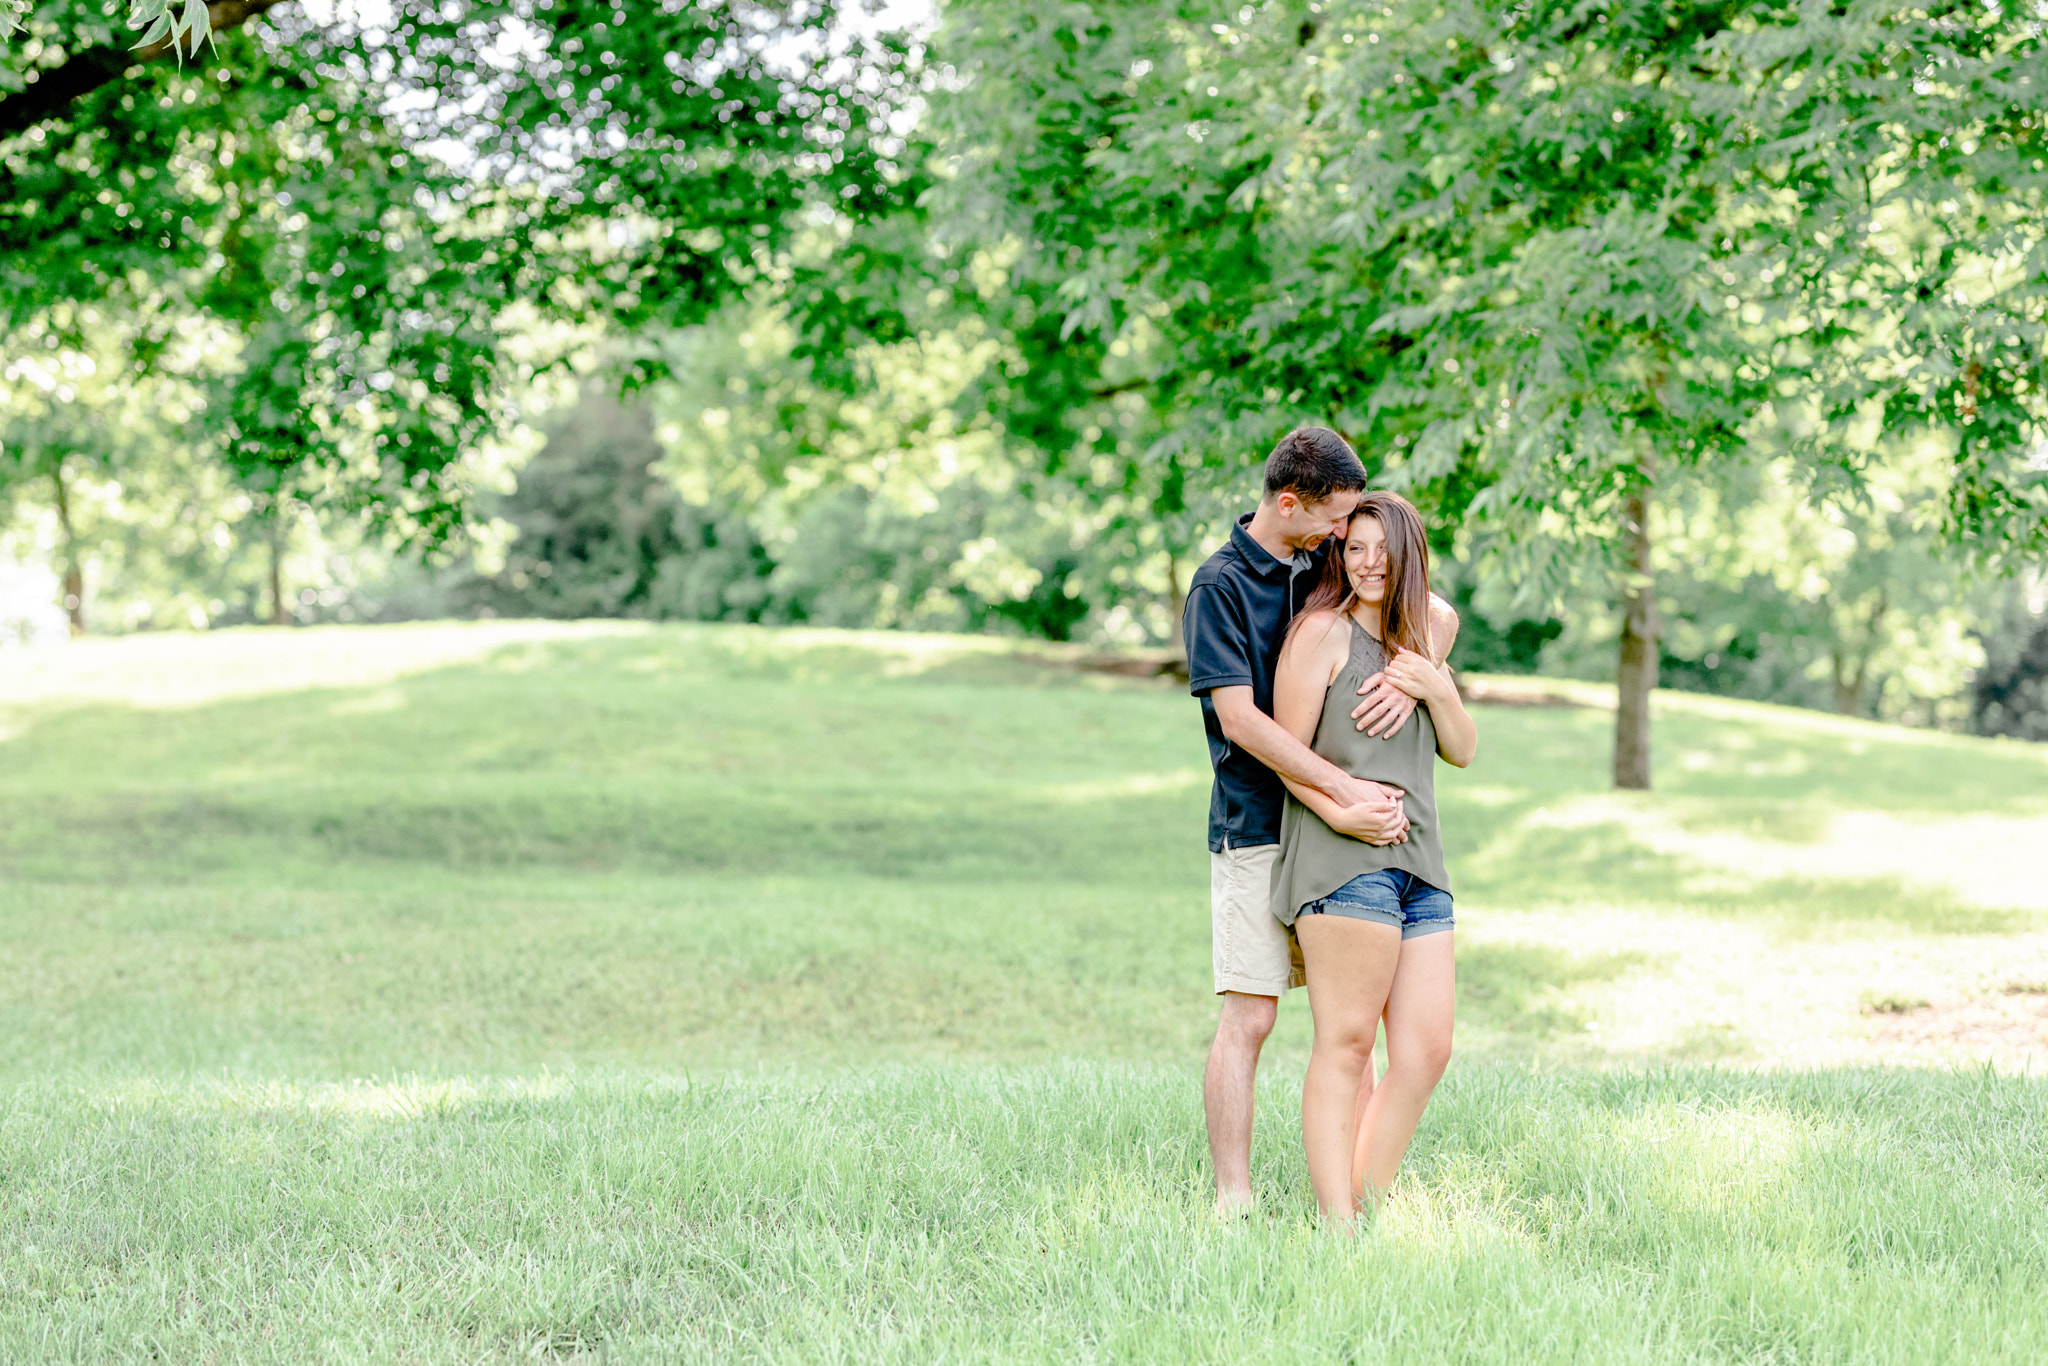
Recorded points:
(514, 990)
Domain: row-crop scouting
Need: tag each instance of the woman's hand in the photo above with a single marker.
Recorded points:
(1415, 675)
(1385, 709)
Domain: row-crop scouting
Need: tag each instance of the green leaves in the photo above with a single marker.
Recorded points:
(188, 27)
(375, 206)
(1513, 250)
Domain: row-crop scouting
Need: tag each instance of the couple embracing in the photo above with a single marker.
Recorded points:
(1317, 651)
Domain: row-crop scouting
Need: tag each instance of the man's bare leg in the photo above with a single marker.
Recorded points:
(1227, 1093)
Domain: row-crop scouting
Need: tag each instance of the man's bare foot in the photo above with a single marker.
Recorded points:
(1234, 1207)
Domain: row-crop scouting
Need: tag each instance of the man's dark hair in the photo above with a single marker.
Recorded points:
(1312, 463)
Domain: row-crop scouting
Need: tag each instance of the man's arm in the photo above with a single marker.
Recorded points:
(1316, 652)
(1260, 736)
(1443, 630)
(1386, 708)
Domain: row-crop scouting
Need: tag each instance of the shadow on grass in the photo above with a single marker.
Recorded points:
(928, 835)
(683, 750)
(1521, 990)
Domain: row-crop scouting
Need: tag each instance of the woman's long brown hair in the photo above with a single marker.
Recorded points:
(1404, 611)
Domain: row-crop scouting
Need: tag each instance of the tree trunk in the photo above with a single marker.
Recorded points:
(74, 574)
(1177, 603)
(278, 616)
(1638, 672)
(1849, 686)
(1848, 692)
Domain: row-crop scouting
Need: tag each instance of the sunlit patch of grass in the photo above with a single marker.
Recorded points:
(162, 671)
(1667, 854)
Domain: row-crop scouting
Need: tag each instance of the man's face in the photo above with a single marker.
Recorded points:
(1304, 526)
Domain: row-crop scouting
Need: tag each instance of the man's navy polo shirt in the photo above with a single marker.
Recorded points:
(1235, 622)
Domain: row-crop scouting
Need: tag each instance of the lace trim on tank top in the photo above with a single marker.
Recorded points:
(1368, 655)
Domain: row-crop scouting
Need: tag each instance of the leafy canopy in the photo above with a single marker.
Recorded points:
(1524, 252)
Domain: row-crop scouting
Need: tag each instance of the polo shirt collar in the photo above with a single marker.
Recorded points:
(1256, 557)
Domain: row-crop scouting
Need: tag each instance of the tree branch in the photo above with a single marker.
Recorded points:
(55, 89)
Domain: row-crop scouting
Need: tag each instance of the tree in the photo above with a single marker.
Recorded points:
(148, 525)
(366, 203)
(1535, 258)
(70, 411)
(267, 191)
(2010, 696)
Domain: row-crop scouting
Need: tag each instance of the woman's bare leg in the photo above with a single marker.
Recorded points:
(1419, 1012)
(1350, 968)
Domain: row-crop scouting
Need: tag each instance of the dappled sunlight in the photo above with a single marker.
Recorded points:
(1629, 1176)
(1987, 861)
(900, 654)
(159, 671)
(1707, 989)
(1799, 721)
(834, 657)
(1519, 995)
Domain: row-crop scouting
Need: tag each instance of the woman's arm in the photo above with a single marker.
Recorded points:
(1313, 656)
(1457, 735)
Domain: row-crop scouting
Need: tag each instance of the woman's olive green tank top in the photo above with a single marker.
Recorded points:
(1314, 859)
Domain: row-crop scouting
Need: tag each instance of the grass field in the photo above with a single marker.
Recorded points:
(506, 991)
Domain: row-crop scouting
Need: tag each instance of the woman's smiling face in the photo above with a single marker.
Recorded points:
(1365, 558)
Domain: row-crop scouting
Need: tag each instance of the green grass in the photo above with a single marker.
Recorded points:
(1049, 1214)
(464, 994)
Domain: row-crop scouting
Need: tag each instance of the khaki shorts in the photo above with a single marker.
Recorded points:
(1253, 952)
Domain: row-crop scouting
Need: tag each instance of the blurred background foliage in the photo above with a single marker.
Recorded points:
(982, 320)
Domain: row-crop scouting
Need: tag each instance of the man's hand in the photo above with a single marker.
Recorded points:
(1386, 707)
(1352, 791)
(1370, 811)
(1373, 822)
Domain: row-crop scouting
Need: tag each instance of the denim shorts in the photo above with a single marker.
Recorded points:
(1389, 896)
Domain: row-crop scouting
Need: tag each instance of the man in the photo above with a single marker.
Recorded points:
(1238, 608)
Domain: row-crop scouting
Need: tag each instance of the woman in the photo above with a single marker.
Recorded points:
(1373, 921)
